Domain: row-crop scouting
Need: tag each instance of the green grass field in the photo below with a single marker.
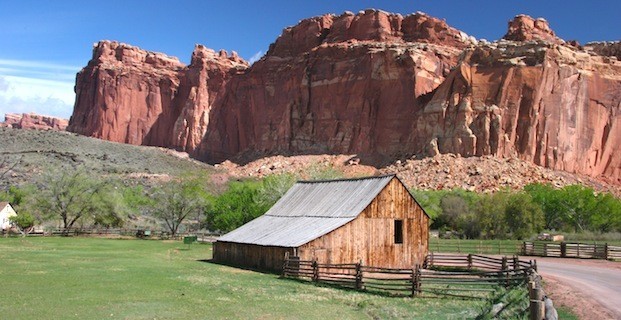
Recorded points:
(88, 278)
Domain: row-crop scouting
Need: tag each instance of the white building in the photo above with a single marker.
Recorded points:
(6, 211)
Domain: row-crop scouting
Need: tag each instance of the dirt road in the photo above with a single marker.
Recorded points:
(591, 288)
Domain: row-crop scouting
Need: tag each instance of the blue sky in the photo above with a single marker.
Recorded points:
(44, 43)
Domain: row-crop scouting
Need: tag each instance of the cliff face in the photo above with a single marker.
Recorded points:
(336, 84)
(376, 84)
(33, 121)
(126, 94)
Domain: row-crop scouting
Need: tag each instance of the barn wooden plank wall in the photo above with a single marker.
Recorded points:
(370, 237)
(251, 256)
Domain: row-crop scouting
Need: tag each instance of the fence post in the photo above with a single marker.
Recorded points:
(537, 310)
(515, 262)
(285, 264)
(563, 249)
(523, 248)
(469, 261)
(416, 280)
(504, 263)
(315, 270)
(606, 251)
(578, 249)
(430, 265)
(359, 275)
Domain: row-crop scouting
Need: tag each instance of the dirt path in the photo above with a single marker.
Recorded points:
(590, 288)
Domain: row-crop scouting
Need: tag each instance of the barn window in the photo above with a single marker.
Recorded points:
(398, 231)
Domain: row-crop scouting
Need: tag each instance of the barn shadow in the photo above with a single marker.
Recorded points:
(224, 264)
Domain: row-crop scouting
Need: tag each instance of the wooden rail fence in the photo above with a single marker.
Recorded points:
(571, 250)
(477, 262)
(500, 247)
(484, 275)
(132, 232)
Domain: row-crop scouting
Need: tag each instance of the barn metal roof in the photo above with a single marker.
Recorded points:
(310, 209)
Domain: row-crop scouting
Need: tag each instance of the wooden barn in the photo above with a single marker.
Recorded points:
(374, 220)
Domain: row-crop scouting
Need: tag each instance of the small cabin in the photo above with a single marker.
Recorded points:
(6, 211)
(374, 220)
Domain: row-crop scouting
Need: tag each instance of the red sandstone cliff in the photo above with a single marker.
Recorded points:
(377, 84)
(126, 94)
(33, 121)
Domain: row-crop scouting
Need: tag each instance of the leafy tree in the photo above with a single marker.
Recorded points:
(273, 187)
(454, 204)
(15, 195)
(175, 202)
(24, 222)
(430, 201)
(523, 216)
(578, 203)
(606, 215)
(236, 206)
(550, 201)
(69, 196)
(490, 210)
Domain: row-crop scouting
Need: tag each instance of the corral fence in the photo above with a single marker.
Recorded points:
(571, 250)
(477, 262)
(470, 276)
(483, 276)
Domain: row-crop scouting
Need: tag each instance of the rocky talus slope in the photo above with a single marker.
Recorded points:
(379, 85)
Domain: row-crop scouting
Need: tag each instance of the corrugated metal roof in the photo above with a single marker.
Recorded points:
(309, 210)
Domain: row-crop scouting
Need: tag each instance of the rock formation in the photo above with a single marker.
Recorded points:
(33, 121)
(126, 94)
(376, 84)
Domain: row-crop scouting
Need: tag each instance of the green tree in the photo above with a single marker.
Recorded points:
(273, 187)
(70, 196)
(15, 195)
(454, 204)
(490, 210)
(430, 201)
(523, 216)
(549, 199)
(24, 222)
(578, 204)
(606, 215)
(175, 202)
(239, 204)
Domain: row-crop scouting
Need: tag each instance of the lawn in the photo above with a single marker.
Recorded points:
(88, 278)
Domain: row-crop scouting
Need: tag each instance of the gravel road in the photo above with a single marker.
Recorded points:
(582, 284)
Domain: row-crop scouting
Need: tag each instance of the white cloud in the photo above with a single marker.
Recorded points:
(4, 85)
(35, 86)
(29, 64)
(255, 57)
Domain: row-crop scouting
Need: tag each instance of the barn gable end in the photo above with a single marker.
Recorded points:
(370, 238)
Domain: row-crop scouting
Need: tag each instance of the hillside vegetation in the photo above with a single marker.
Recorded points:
(34, 152)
